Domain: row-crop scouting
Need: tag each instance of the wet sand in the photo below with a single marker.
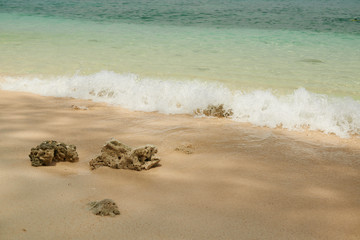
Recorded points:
(240, 182)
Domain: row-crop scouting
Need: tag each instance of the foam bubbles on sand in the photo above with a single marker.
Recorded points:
(298, 110)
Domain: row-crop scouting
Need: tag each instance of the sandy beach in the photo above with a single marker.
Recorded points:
(241, 181)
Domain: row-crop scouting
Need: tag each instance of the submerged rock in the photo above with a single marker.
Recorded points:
(106, 207)
(115, 154)
(52, 151)
(215, 111)
(311, 60)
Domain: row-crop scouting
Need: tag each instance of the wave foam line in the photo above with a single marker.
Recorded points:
(296, 111)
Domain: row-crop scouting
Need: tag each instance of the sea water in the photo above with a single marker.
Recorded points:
(276, 63)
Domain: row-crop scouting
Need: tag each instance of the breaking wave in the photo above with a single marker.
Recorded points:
(298, 110)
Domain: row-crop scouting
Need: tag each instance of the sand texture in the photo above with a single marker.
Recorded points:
(240, 182)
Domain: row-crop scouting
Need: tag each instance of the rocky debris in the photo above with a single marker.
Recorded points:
(102, 93)
(105, 207)
(215, 111)
(75, 107)
(115, 154)
(52, 151)
(187, 148)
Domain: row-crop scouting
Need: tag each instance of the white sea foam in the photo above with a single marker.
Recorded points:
(301, 109)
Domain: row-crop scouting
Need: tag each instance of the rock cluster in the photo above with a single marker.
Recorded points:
(215, 111)
(115, 154)
(49, 152)
(106, 207)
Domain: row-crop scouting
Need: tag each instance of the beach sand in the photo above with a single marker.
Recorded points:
(240, 182)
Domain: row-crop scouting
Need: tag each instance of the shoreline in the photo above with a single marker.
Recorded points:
(241, 181)
(294, 111)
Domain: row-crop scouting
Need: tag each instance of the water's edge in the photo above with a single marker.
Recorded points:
(299, 110)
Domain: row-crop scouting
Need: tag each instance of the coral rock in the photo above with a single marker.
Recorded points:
(106, 207)
(52, 151)
(215, 111)
(115, 154)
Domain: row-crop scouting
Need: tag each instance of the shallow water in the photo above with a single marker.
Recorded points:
(275, 63)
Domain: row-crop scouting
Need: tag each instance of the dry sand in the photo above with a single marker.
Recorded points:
(240, 182)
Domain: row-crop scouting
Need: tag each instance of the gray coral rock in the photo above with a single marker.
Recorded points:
(106, 207)
(52, 151)
(115, 154)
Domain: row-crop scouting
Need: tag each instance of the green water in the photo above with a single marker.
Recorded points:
(241, 58)
(276, 63)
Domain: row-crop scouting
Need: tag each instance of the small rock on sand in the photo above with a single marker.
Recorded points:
(75, 107)
(105, 207)
(52, 151)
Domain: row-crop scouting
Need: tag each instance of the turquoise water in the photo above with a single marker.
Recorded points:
(274, 62)
(319, 15)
